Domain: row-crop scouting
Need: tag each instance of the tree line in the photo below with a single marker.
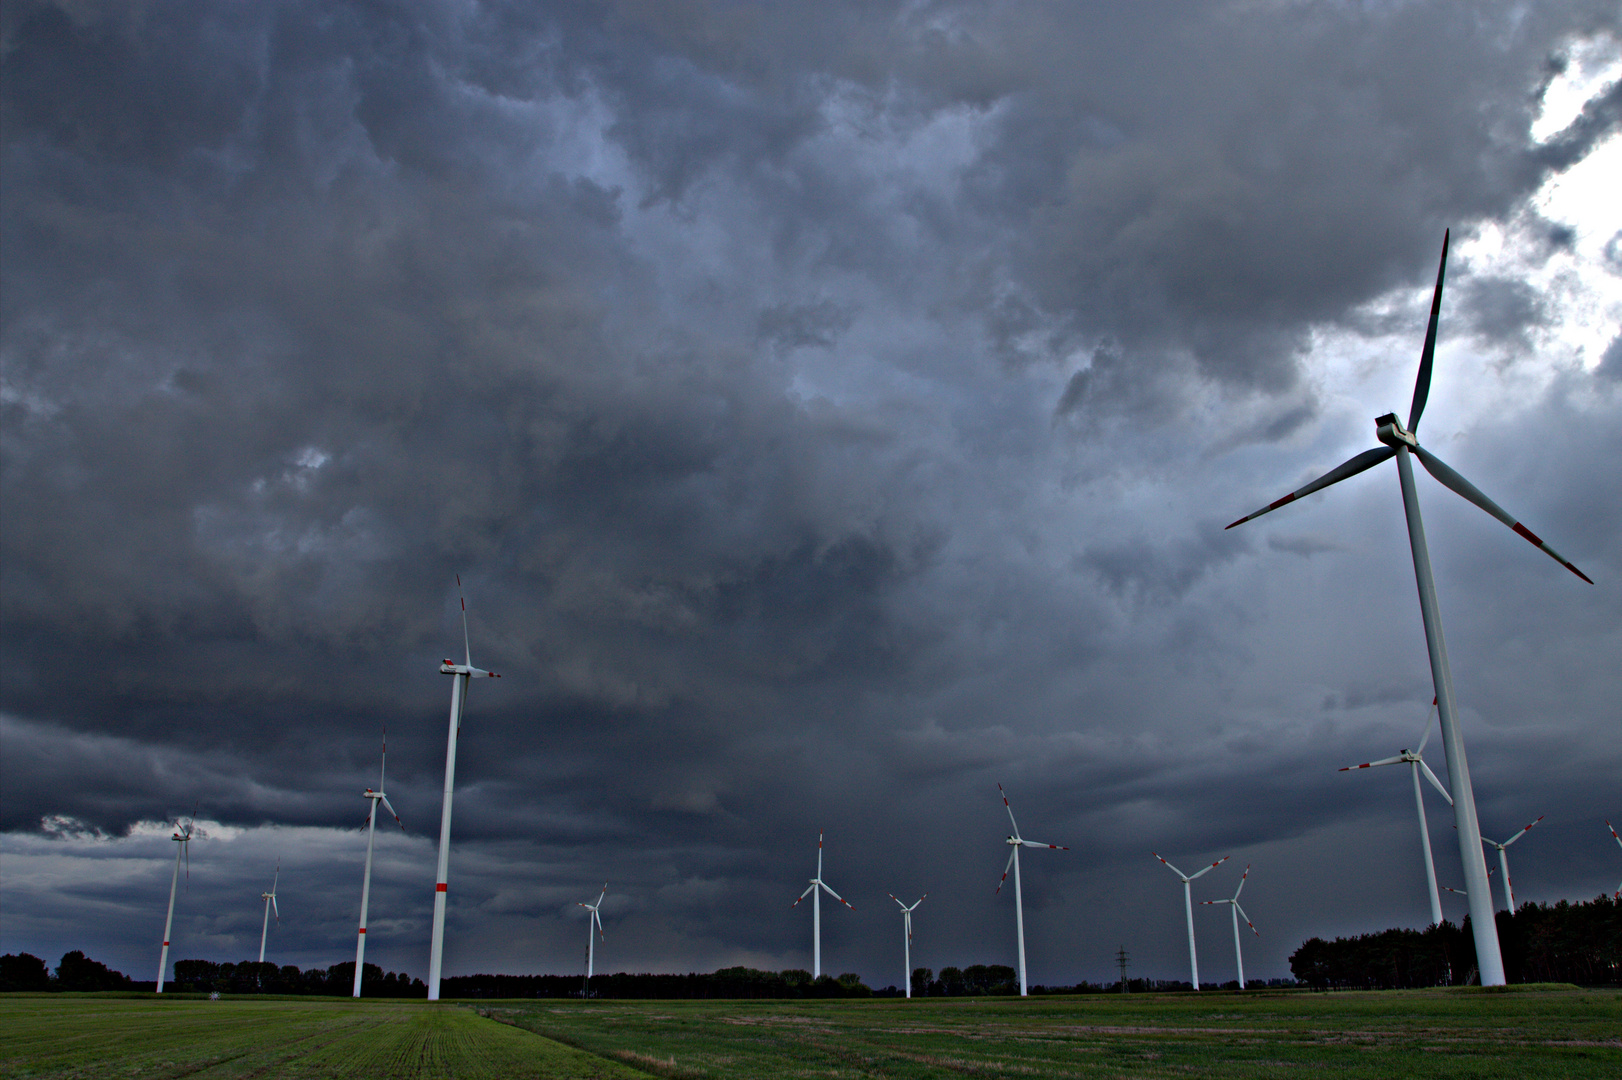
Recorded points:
(1564, 942)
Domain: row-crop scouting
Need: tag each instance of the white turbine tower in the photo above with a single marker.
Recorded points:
(1188, 909)
(270, 902)
(1402, 443)
(366, 878)
(906, 919)
(814, 891)
(1614, 896)
(1416, 758)
(1238, 953)
(1503, 861)
(593, 923)
(182, 837)
(460, 674)
(1015, 841)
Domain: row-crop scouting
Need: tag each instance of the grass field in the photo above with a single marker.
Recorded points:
(1524, 1034)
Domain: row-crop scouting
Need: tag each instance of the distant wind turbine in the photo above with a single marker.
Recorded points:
(1402, 443)
(460, 673)
(1238, 953)
(375, 797)
(906, 919)
(1015, 841)
(1503, 860)
(1188, 908)
(595, 922)
(1416, 758)
(270, 903)
(1614, 896)
(182, 837)
(814, 891)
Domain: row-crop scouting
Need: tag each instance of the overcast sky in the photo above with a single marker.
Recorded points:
(832, 411)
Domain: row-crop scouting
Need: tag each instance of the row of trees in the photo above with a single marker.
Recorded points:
(248, 977)
(733, 982)
(1576, 943)
(27, 972)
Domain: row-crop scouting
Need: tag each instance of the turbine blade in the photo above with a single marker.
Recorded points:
(1241, 887)
(1422, 384)
(1213, 866)
(1010, 810)
(1615, 837)
(1523, 832)
(835, 895)
(1009, 865)
(1435, 783)
(1351, 467)
(275, 909)
(1372, 764)
(1033, 843)
(1248, 923)
(397, 820)
(797, 902)
(467, 650)
(1448, 478)
(1425, 737)
(897, 899)
(1174, 869)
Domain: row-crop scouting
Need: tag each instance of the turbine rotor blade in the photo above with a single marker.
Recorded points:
(1009, 865)
(1213, 866)
(1372, 764)
(397, 820)
(467, 650)
(275, 909)
(1435, 783)
(1351, 467)
(1523, 832)
(1426, 736)
(1460, 486)
(1174, 869)
(1241, 887)
(1422, 384)
(802, 895)
(1248, 923)
(1010, 810)
(1033, 843)
(835, 895)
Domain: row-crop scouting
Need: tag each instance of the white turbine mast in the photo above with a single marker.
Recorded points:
(460, 675)
(1238, 953)
(182, 837)
(1503, 861)
(815, 891)
(906, 947)
(1403, 444)
(270, 904)
(593, 923)
(1015, 841)
(1188, 909)
(1416, 759)
(374, 797)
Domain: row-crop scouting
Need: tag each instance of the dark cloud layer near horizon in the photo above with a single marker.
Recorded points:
(831, 413)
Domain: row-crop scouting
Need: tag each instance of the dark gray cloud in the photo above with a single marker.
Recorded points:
(830, 414)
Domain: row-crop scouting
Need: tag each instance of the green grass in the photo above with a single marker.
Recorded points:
(71, 1035)
(1521, 1034)
(1525, 1033)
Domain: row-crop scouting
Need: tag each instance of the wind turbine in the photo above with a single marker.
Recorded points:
(906, 918)
(1416, 758)
(814, 891)
(1238, 953)
(1614, 896)
(182, 837)
(270, 902)
(1188, 908)
(594, 922)
(1503, 861)
(1400, 443)
(366, 878)
(460, 674)
(1015, 841)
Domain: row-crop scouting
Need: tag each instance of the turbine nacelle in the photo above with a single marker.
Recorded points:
(1389, 430)
(450, 667)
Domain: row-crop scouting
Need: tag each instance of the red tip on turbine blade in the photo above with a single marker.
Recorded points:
(363, 929)
(441, 887)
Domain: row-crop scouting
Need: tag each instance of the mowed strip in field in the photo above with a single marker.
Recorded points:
(1519, 1034)
(70, 1035)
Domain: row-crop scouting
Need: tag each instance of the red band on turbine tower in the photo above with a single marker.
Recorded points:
(440, 887)
(363, 929)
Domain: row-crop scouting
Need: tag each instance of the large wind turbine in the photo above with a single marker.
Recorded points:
(460, 674)
(906, 918)
(366, 879)
(182, 837)
(1503, 861)
(270, 902)
(1416, 758)
(814, 891)
(1400, 443)
(1015, 841)
(593, 923)
(1238, 953)
(1188, 908)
